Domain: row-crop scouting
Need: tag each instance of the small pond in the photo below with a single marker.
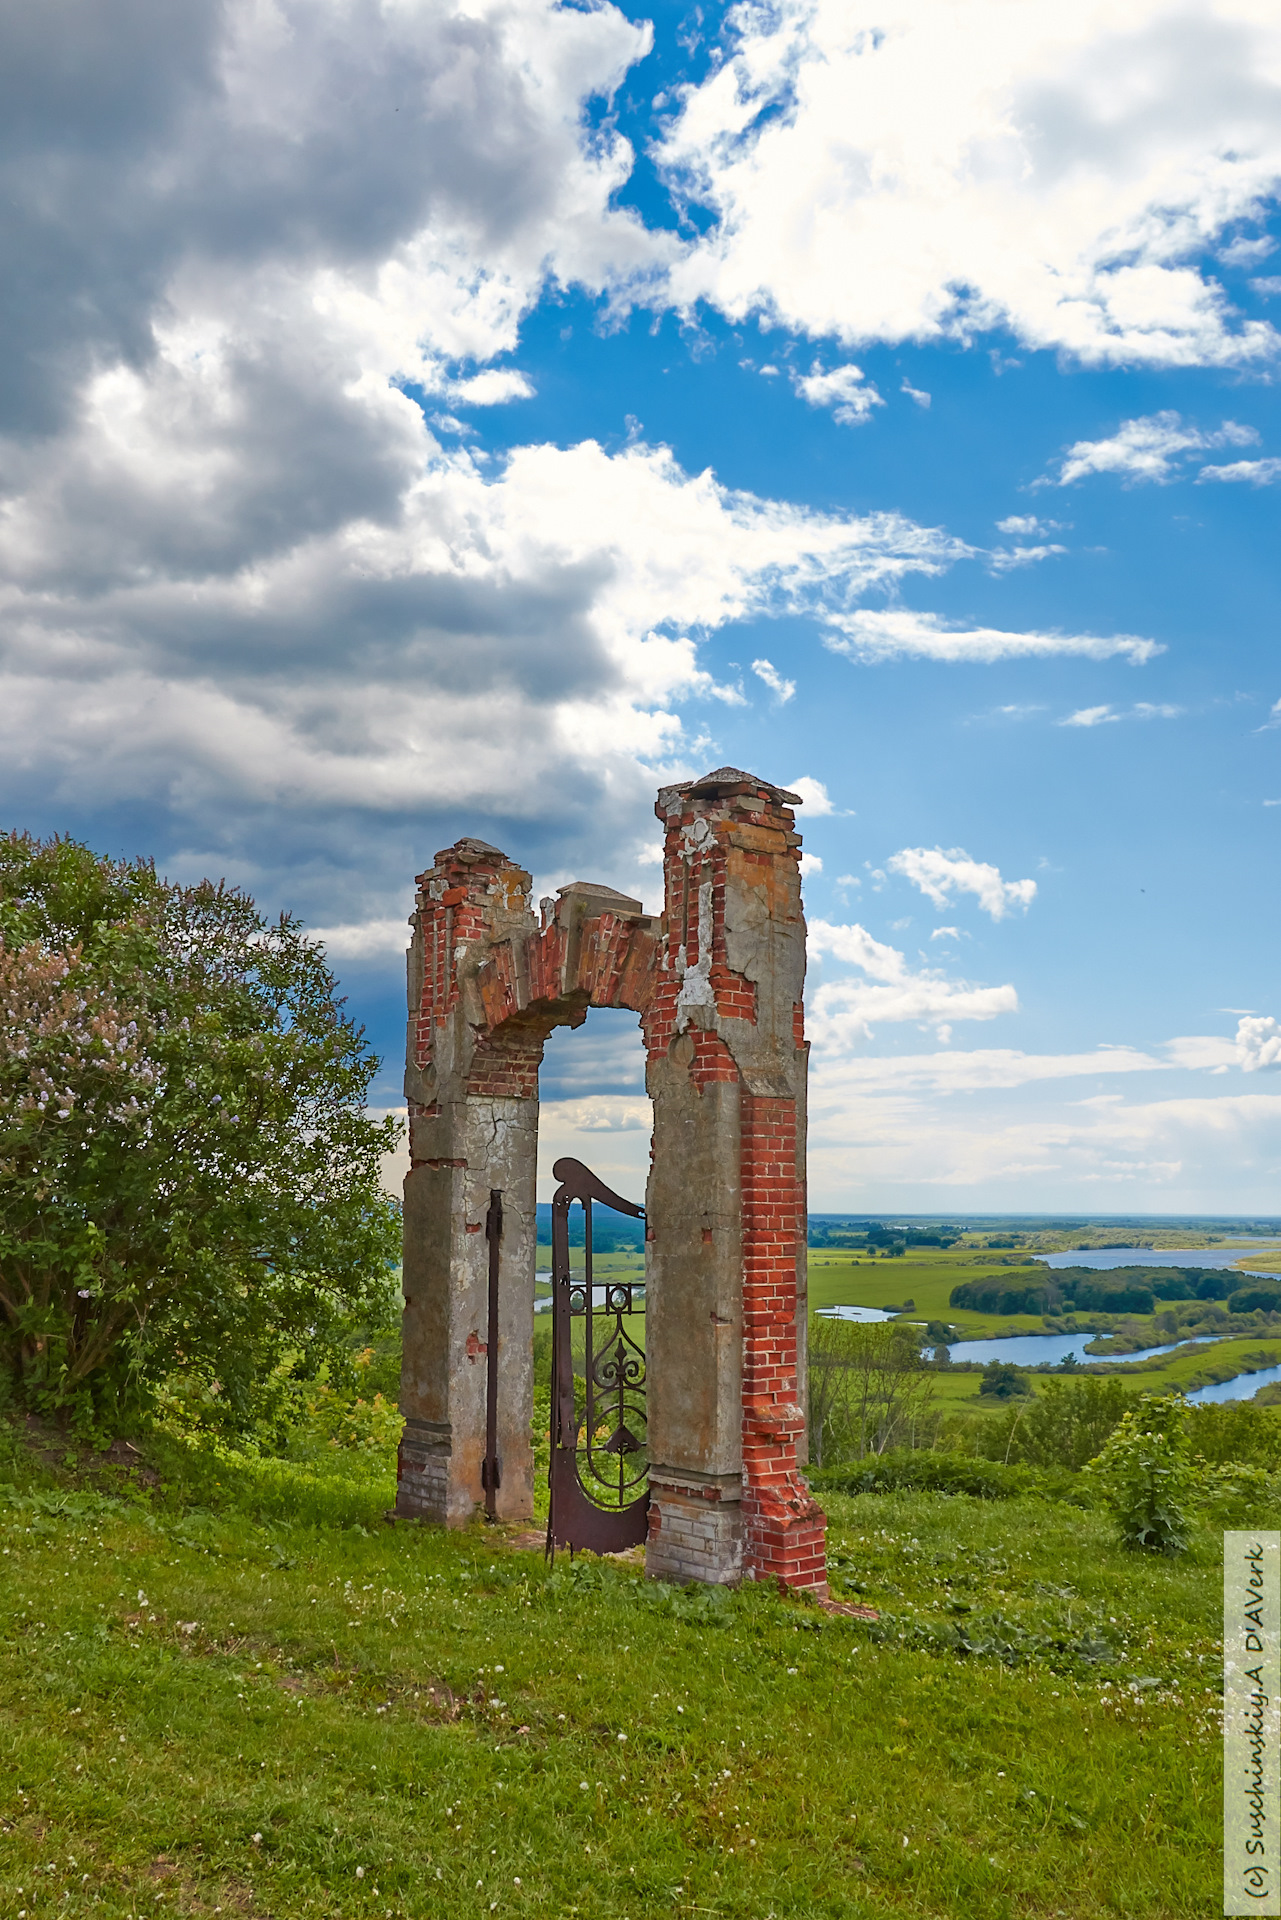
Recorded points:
(854, 1313)
(543, 1302)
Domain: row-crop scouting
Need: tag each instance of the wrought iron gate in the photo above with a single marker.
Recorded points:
(599, 1453)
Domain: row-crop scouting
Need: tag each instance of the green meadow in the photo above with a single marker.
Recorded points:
(235, 1690)
(229, 1687)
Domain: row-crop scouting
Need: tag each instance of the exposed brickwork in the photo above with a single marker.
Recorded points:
(455, 900)
(505, 1064)
(782, 1525)
(712, 1060)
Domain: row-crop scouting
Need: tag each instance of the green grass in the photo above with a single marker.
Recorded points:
(843, 1279)
(223, 1708)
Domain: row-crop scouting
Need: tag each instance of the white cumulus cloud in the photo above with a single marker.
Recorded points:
(930, 167)
(941, 875)
(491, 388)
(1259, 1042)
(813, 794)
(844, 389)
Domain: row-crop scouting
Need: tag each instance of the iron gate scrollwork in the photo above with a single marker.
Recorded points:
(599, 1451)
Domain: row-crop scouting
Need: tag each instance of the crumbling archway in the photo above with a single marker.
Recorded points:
(717, 983)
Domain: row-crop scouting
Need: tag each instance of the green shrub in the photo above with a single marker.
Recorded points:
(1146, 1475)
(955, 1473)
(1065, 1425)
(1002, 1382)
(1236, 1431)
(869, 1389)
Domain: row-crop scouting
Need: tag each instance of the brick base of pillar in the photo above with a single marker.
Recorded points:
(422, 1473)
(695, 1531)
(784, 1534)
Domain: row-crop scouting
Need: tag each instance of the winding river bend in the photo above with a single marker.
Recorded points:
(1052, 1349)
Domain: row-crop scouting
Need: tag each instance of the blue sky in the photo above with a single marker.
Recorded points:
(421, 421)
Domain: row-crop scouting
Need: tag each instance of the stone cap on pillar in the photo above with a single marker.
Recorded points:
(470, 853)
(724, 783)
(595, 898)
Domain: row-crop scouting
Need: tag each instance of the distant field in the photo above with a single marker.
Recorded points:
(925, 1277)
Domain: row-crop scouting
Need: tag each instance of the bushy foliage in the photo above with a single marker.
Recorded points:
(1147, 1476)
(925, 1471)
(1002, 1382)
(869, 1389)
(1012, 1292)
(1087, 1290)
(1245, 1431)
(1263, 1297)
(1065, 1425)
(188, 1178)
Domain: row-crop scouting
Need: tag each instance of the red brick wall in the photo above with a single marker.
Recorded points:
(783, 1528)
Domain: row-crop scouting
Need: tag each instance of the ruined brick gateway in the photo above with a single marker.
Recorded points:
(717, 982)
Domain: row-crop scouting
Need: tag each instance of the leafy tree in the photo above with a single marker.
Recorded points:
(1147, 1475)
(1003, 1382)
(1002, 1293)
(188, 1178)
(1265, 1297)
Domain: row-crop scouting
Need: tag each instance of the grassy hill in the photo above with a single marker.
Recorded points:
(226, 1686)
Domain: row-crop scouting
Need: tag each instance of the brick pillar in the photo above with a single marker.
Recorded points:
(473, 1108)
(726, 1201)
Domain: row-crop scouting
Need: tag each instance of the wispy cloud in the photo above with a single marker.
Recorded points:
(1150, 448)
(845, 1012)
(896, 632)
(1108, 715)
(1254, 473)
(1025, 525)
(1005, 559)
(941, 875)
(767, 672)
(921, 398)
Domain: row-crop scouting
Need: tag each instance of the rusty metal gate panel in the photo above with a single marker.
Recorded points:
(599, 1452)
